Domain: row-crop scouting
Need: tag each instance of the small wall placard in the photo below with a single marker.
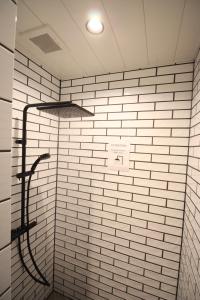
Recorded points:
(118, 156)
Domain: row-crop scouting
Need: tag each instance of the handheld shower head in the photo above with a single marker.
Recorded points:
(45, 156)
(41, 157)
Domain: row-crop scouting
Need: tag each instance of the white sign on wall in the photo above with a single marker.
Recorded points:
(118, 156)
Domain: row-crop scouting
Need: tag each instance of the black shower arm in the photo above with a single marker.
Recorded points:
(38, 105)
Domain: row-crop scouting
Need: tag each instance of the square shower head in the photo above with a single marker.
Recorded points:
(65, 110)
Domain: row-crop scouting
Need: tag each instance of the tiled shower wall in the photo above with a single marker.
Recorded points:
(7, 39)
(189, 285)
(118, 234)
(33, 84)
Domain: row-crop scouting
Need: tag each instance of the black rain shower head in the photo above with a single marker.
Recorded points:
(65, 109)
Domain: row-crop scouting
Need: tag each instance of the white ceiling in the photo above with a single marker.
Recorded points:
(137, 34)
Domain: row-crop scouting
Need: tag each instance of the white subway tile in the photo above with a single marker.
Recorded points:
(20, 58)
(157, 80)
(82, 81)
(95, 87)
(26, 89)
(122, 132)
(156, 97)
(140, 90)
(122, 116)
(95, 101)
(123, 99)
(153, 132)
(173, 105)
(109, 93)
(171, 141)
(26, 71)
(140, 73)
(50, 85)
(55, 80)
(107, 124)
(123, 83)
(155, 115)
(184, 77)
(147, 216)
(39, 70)
(187, 95)
(175, 69)
(184, 123)
(137, 123)
(109, 77)
(138, 107)
(108, 108)
(80, 96)
(174, 87)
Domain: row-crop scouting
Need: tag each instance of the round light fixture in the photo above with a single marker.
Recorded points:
(94, 25)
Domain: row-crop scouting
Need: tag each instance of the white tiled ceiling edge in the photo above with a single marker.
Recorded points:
(138, 34)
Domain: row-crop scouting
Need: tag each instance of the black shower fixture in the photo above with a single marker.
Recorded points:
(41, 157)
(61, 109)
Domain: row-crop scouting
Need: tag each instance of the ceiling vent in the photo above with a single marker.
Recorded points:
(43, 38)
(45, 43)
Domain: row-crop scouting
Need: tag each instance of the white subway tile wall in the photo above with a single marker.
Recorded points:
(33, 84)
(8, 12)
(118, 234)
(189, 283)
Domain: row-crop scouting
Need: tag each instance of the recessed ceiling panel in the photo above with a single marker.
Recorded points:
(189, 38)
(127, 21)
(26, 20)
(104, 45)
(53, 13)
(137, 34)
(163, 21)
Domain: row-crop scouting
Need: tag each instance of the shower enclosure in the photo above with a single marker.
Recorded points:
(115, 234)
(80, 227)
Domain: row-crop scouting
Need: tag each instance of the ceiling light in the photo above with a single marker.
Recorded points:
(94, 25)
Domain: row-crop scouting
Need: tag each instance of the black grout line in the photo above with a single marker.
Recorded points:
(5, 100)
(16, 50)
(4, 292)
(56, 189)
(6, 48)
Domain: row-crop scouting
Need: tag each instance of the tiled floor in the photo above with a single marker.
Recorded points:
(55, 296)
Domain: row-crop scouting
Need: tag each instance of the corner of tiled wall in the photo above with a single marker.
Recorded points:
(189, 283)
(8, 12)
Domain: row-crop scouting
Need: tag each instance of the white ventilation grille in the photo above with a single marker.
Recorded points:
(45, 43)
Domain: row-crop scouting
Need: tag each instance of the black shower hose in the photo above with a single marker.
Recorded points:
(44, 282)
